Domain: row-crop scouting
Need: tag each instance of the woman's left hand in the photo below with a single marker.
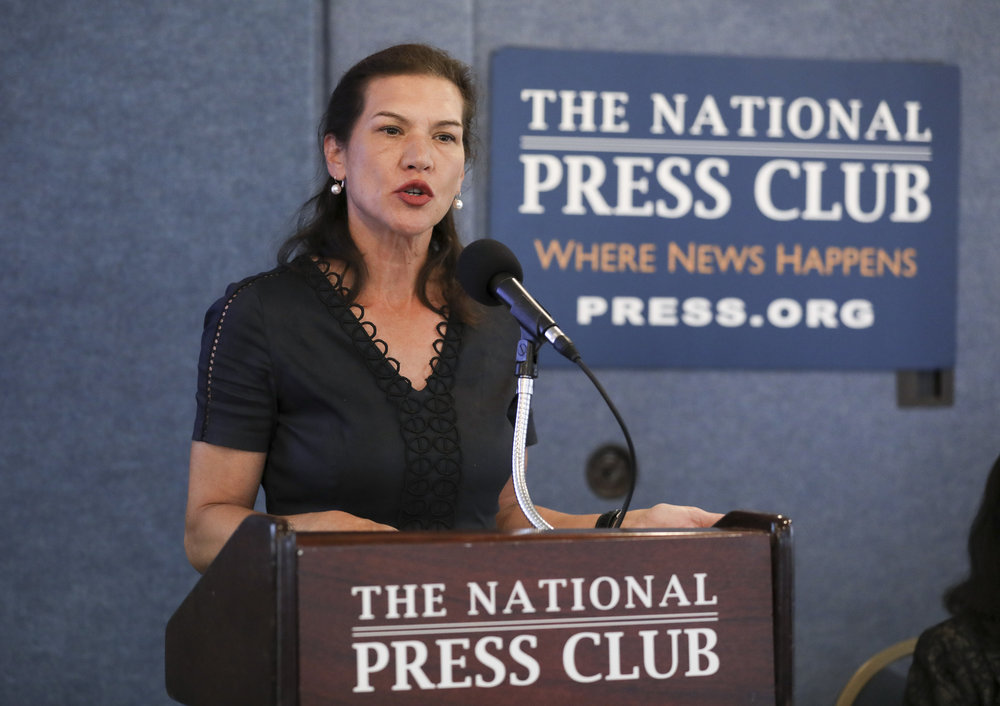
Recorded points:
(663, 515)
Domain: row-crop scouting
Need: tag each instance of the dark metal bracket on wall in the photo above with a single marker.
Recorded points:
(925, 388)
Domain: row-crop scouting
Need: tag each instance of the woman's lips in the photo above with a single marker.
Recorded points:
(415, 193)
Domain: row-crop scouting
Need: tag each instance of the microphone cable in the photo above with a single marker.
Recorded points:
(634, 470)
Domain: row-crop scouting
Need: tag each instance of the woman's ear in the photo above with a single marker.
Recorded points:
(334, 155)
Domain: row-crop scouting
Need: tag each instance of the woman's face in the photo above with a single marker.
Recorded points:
(404, 162)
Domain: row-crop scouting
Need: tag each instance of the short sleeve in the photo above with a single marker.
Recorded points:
(235, 397)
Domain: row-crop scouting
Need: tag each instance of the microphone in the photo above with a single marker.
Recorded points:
(491, 274)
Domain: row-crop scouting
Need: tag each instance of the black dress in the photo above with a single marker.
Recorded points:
(956, 663)
(290, 369)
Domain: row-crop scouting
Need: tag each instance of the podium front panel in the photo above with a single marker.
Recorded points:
(556, 617)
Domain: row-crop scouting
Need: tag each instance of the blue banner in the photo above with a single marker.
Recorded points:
(684, 211)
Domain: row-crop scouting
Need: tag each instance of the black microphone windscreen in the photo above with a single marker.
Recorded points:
(481, 261)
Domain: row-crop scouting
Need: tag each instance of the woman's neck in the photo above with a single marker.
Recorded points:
(393, 265)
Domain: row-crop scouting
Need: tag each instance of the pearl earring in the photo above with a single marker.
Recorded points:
(457, 204)
(338, 186)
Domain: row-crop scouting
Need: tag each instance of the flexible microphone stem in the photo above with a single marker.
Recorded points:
(525, 386)
(526, 373)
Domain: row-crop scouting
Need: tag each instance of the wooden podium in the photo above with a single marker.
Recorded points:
(581, 617)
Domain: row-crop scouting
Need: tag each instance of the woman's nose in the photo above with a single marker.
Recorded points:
(417, 154)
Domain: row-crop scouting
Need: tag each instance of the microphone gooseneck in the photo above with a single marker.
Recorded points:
(491, 274)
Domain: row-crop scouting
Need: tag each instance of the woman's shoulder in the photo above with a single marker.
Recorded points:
(276, 284)
(273, 280)
(945, 633)
(274, 290)
(954, 662)
(956, 636)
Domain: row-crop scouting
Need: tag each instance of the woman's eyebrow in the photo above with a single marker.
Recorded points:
(399, 118)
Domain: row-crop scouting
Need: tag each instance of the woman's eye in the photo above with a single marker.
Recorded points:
(391, 130)
(446, 138)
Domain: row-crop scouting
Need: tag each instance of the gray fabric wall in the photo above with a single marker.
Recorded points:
(154, 152)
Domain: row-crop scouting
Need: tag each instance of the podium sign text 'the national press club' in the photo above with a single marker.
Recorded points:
(684, 211)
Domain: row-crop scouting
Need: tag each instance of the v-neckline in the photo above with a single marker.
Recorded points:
(379, 345)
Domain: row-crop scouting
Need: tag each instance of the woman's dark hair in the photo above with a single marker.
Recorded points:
(323, 230)
(978, 596)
